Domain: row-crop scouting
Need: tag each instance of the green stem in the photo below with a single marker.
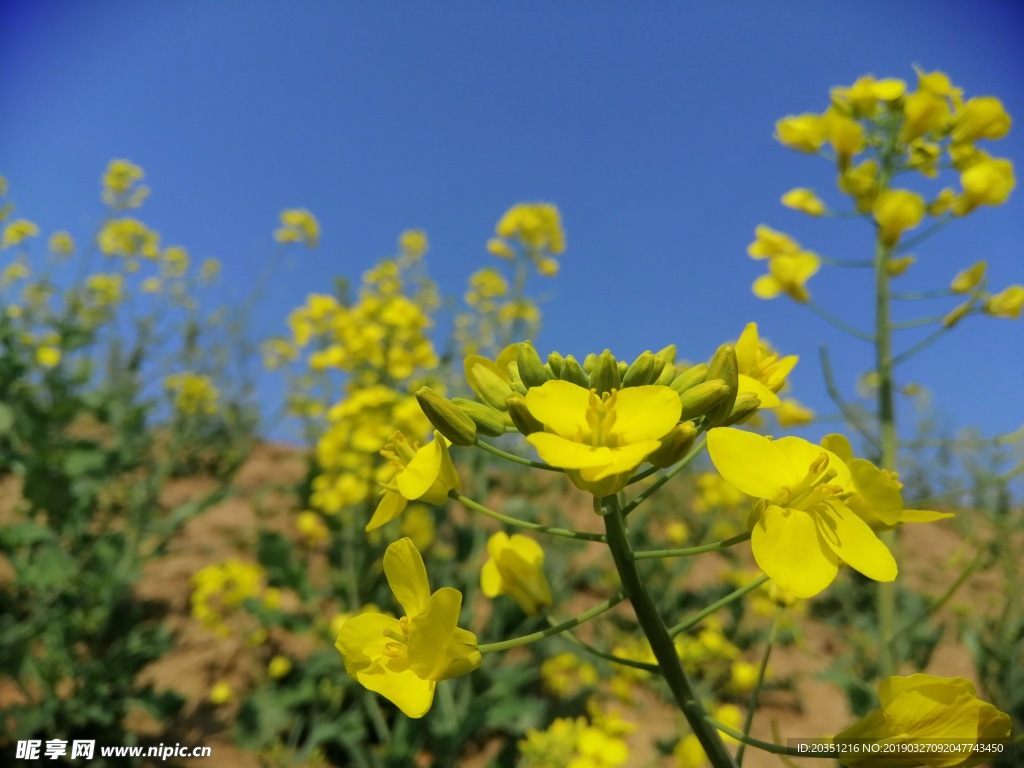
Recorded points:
(940, 293)
(853, 263)
(658, 635)
(756, 693)
(643, 475)
(833, 392)
(515, 459)
(924, 234)
(595, 651)
(550, 530)
(766, 746)
(923, 344)
(834, 321)
(533, 637)
(703, 613)
(917, 323)
(653, 487)
(715, 546)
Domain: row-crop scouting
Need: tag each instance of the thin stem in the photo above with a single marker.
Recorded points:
(828, 317)
(595, 651)
(550, 530)
(939, 293)
(924, 343)
(703, 613)
(515, 459)
(924, 234)
(1008, 475)
(917, 323)
(643, 475)
(715, 546)
(852, 263)
(844, 407)
(657, 634)
(766, 746)
(756, 693)
(653, 487)
(575, 621)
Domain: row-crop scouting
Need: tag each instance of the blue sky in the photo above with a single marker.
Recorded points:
(650, 125)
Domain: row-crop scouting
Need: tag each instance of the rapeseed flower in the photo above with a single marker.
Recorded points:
(801, 526)
(804, 200)
(421, 474)
(600, 439)
(515, 567)
(762, 371)
(404, 659)
(788, 274)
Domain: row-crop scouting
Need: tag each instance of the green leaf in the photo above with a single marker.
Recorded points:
(6, 419)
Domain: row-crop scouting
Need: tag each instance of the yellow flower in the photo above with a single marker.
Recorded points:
(804, 200)
(221, 693)
(61, 243)
(769, 243)
(743, 675)
(969, 279)
(17, 232)
(925, 709)
(47, 356)
(423, 474)
(278, 667)
(418, 525)
(1007, 303)
(193, 393)
(845, 135)
(864, 94)
(537, 225)
(128, 237)
(600, 440)
(312, 528)
(298, 226)
(403, 659)
(414, 242)
(987, 182)
(937, 83)
(861, 183)
(791, 413)
(516, 568)
(804, 133)
(789, 275)
(897, 266)
(762, 371)
(119, 188)
(896, 211)
(802, 529)
(982, 117)
(923, 112)
(500, 248)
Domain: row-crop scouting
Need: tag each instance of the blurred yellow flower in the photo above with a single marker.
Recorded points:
(279, 667)
(17, 232)
(221, 693)
(804, 200)
(48, 357)
(769, 243)
(988, 181)
(298, 226)
(1007, 303)
(969, 279)
(788, 274)
(896, 211)
(804, 133)
(982, 117)
(515, 567)
(61, 243)
(792, 413)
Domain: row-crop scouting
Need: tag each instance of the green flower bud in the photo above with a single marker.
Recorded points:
(667, 375)
(745, 407)
(555, 361)
(605, 375)
(513, 375)
(446, 417)
(668, 354)
(623, 366)
(589, 362)
(572, 371)
(700, 399)
(521, 416)
(691, 377)
(644, 370)
(675, 445)
(531, 369)
(490, 386)
(723, 366)
(488, 421)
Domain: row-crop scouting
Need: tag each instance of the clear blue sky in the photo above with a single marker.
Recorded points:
(649, 124)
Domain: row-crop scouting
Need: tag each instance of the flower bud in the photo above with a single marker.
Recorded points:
(446, 417)
(691, 377)
(605, 375)
(531, 369)
(674, 446)
(521, 416)
(488, 421)
(555, 361)
(666, 376)
(487, 382)
(700, 399)
(668, 354)
(513, 377)
(623, 366)
(723, 366)
(746, 406)
(644, 370)
(956, 314)
(589, 362)
(573, 372)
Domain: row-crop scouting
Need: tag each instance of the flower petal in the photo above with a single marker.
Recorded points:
(404, 689)
(561, 406)
(623, 460)
(802, 454)
(561, 452)
(422, 471)
(430, 632)
(645, 413)
(407, 576)
(362, 639)
(751, 463)
(853, 540)
(788, 548)
(746, 348)
(750, 385)
(391, 506)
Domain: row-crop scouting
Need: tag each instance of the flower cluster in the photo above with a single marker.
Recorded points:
(219, 590)
(536, 229)
(192, 393)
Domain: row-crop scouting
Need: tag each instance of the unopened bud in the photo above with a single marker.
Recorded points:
(488, 421)
(698, 400)
(605, 375)
(691, 377)
(667, 375)
(589, 362)
(668, 354)
(746, 406)
(555, 362)
(573, 372)
(488, 383)
(675, 445)
(956, 314)
(723, 366)
(644, 370)
(531, 369)
(623, 366)
(514, 380)
(521, 416)
(446, 417)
